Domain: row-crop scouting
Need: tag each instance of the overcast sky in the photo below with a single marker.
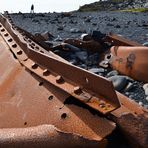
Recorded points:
(42, 5)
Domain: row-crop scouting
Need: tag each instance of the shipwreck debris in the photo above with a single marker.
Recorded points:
(97, 107)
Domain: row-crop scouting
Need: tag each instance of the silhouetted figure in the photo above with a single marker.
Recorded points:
(32, 9)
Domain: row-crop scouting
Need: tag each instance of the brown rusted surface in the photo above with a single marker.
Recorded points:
(44, 136)
(132, 120)
(131, 61)
(72, 75)
(41, 97)
(26, 100)
(117, 40)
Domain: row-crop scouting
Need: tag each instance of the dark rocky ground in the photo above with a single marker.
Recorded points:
(130, 25)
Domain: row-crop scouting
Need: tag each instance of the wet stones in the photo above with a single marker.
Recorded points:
(112, 73)
(97, 70)
(119, 82)
(82, 55)
(145, 87)
(76, 30)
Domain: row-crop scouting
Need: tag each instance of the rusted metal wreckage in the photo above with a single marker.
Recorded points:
(45, 100)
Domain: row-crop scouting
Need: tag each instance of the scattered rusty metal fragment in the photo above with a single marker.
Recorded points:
(91, 45)
(48, 83)
(117, 40)
(131, 61)
(27, 101)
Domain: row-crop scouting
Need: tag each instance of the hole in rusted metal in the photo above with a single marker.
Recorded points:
(108, 56)
(50, 97)
(25, 123)
(10, 40)
(14, 45)
(64, 115)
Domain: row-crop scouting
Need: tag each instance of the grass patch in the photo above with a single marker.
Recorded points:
(136, 10)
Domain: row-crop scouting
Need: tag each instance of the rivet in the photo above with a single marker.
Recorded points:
(6, 34)
(102, 104)
(59, 79)
(42, 51)
(36, 47)
(19, 52)
(2, 30)
(14, 45)
(77, 90)
(10, 40)
(29, 40)
(34, 66)
(33, 44)
(46, 72)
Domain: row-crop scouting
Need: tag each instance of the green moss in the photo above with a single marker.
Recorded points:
(136, 10)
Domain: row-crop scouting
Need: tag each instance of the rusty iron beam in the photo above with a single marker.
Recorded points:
(27, 101)
(130, 117)
(78, 82)
(117, 40)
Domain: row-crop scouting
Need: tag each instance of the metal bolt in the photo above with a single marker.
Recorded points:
(59, 79)
(19, 52)
(14, 45)
(10, 40)
(2, 30)
(46, 72)
(6, 34)
(102, 104)
(77, 90)
(34, 66)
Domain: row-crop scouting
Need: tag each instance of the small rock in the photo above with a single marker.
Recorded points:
(129, 86)
(97, 70)
(145, 44)
(118, 26)
(76, 30)
(60, 28)
(119, 82)
(82, 55)
(58, 39)
(146, 92)
(85, 37)
(112, 73)
(145, 86)
(140, 103)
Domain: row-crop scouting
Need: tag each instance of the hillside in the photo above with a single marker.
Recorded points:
(113, 5)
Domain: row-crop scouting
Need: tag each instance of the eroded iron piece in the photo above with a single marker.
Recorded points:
(131, 61)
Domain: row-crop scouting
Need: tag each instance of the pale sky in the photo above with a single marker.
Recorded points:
(42, 5)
